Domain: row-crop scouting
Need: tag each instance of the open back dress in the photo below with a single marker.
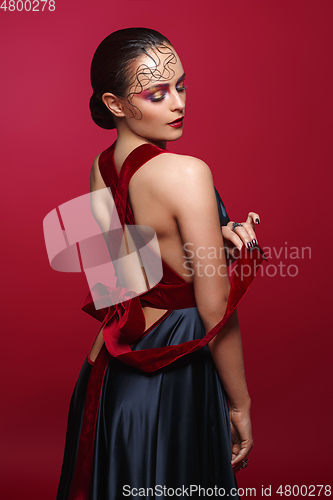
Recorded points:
(149, 417)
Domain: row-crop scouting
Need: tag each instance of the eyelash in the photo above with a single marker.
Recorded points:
(157, 99)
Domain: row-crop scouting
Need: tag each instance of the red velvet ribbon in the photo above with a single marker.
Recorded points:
(80, 487)
(124, 322)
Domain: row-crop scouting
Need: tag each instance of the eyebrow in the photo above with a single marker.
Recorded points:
(159, 86)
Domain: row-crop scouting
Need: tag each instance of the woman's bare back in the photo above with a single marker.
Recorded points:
(151, 208)
(152, 205)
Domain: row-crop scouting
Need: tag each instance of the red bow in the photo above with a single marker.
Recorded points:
(124, 321)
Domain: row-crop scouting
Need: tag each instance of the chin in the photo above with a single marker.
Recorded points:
(165, 138)
(175, 138)
(177, 133)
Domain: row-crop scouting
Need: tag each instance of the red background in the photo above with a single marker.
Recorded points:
(259, 112)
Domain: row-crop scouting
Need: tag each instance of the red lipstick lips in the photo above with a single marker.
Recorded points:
(177, 123)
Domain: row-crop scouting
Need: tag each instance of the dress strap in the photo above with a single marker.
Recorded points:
(122, 212)
(138, 157)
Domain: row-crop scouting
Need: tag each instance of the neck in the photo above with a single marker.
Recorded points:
(126, 138)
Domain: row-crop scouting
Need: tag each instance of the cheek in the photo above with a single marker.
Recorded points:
(150, 112)
(154, 114)
(136, 110)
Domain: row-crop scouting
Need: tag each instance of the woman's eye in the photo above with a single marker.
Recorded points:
(183, 87)
(158, 96)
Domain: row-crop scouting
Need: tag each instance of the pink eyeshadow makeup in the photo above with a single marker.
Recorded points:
(154, 92)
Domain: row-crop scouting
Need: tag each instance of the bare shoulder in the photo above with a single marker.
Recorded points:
(182, 164)
(176, 171)
(175, 181)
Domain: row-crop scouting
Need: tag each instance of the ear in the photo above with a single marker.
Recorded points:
(113, 103)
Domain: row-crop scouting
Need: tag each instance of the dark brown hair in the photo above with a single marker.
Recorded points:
(110, 67)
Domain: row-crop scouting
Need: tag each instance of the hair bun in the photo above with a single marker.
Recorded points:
(101, 115)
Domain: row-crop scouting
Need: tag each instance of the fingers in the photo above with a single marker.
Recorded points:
(238, 458)
(246, 234)
(253, 218)
(231, 236)
(236, 467)
(241, 438)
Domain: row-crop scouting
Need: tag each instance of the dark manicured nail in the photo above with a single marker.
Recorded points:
(249, 245)
(254, 242)
(257, 221)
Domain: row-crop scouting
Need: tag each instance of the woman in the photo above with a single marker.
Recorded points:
(161, 406)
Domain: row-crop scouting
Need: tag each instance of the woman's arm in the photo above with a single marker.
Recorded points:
(196, 213)
(101, 201)
(189, 188)
(226, 351)
(227, 354)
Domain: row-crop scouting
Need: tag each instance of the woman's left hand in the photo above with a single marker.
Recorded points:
(241, 437)
(243, 235)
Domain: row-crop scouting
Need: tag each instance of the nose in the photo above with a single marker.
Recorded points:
(177, 100)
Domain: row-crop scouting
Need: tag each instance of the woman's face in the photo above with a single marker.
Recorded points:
(156, 96)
